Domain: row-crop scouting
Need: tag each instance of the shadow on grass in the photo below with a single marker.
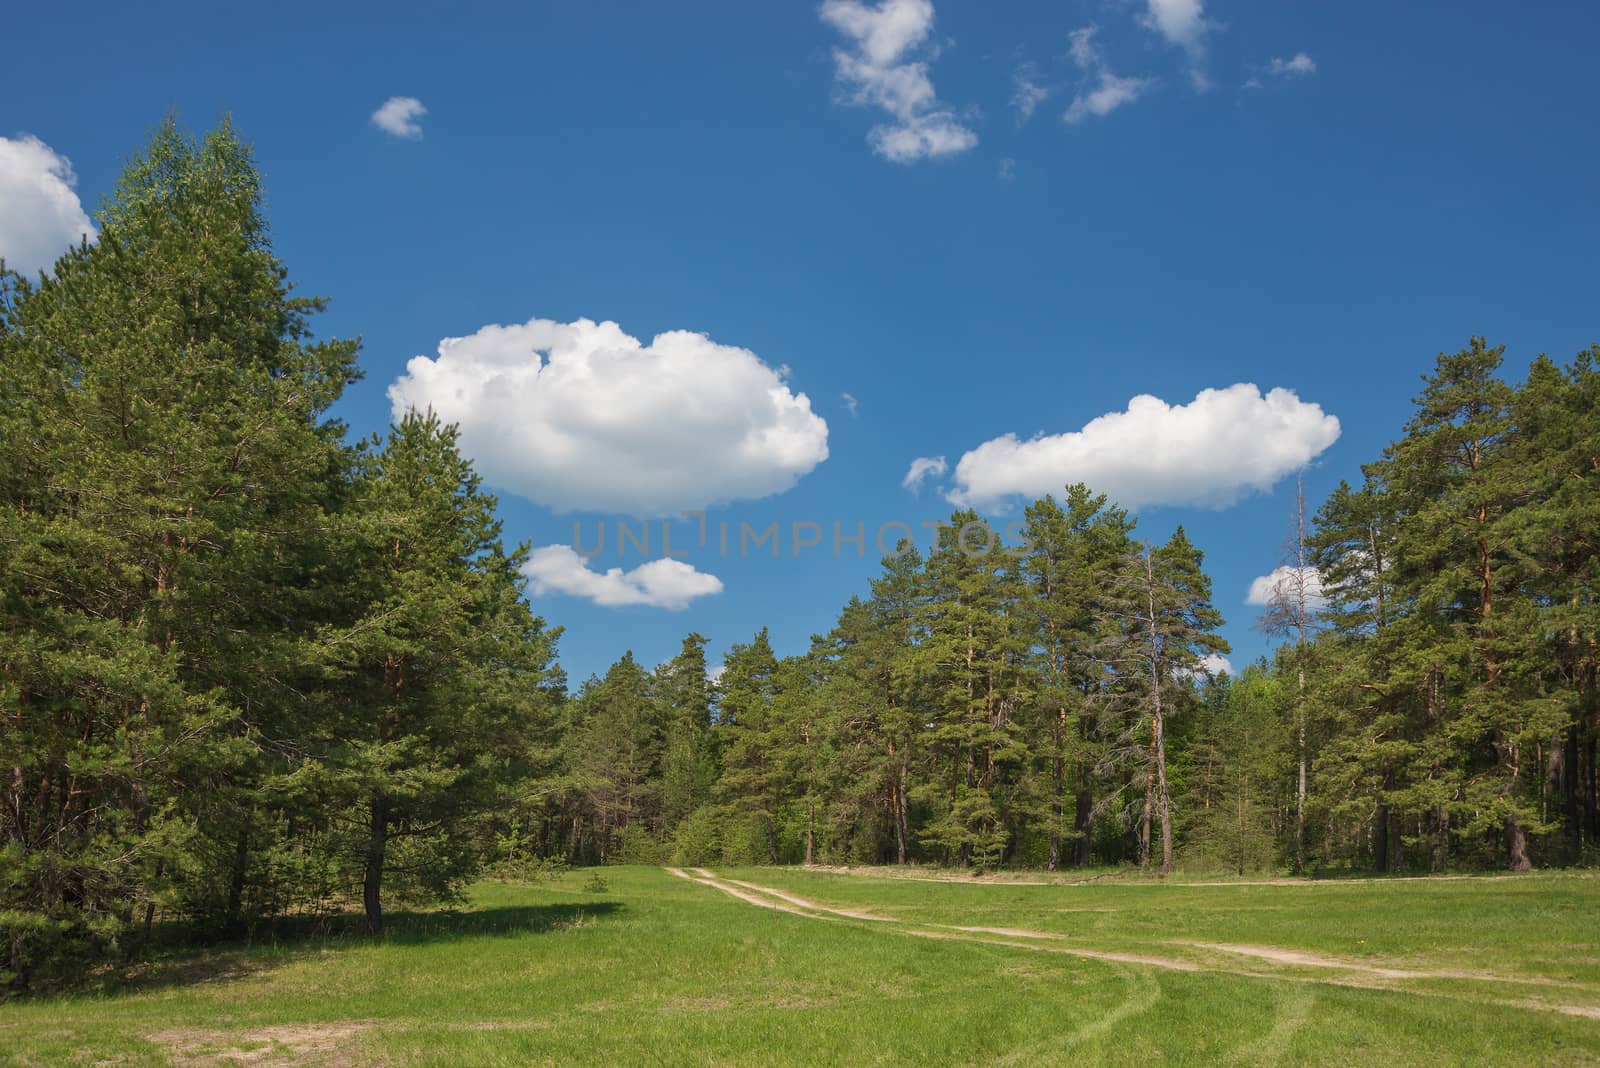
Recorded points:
(177, 956)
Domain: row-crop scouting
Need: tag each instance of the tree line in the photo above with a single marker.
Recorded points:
(1433, 704)
(251, 667)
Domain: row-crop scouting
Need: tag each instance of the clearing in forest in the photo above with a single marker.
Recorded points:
(691, 965)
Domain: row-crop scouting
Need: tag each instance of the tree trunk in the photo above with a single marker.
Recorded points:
(241, 867)
(901, 815)
(1144, 816)
(1163, 798)
(811, 830)
(1081, 819)
(1569, 786)
(1300, 786)
(1517, 845)
(1380, 839)
(372, 884)
(1058, 787)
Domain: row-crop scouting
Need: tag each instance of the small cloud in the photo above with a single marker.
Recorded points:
(1297, 66)
(1007, 170)
(1105, 91)
(922, 469)
(1027, 93)
(877, 69)
(399, 115)
(1284, 585)
(40, 214)
(665, 583)
(850, 403)
(1209, 666)
(1182, 23)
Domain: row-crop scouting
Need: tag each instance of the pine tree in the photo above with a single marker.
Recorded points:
(439, 676)
(1453, 485)
(168, 459)
(973, 645)
(611, 758)
(1164, 598)
(689, 760)
(1072, 551)
(751, 782)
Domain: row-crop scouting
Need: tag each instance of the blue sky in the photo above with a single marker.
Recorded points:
(1316, 198)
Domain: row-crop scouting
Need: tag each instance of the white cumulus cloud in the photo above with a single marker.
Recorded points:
(1103, 91)
(922, 469)
(40, 214)
(1209, 453)
(399, 115)
(1183, 23)
(559, 569)
(1281, 585)
(582, 416)
(876, 68)
(1299, 65)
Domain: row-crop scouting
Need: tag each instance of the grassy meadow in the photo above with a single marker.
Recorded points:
(787, 966)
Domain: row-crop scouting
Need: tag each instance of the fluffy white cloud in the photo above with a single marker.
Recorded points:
(876, 69)
(1208, 453)
(1183, 23)
(1282, 584)
(559, 569)
(1297, 66)
(1103, 91)
(40, 215)
(399, 115)
(581, 416)
(922, 469)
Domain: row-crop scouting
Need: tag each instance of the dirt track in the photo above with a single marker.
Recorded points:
(1273, 963)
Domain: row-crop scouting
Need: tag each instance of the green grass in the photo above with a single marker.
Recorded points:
(662, 970)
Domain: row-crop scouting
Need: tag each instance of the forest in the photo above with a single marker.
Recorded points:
(252, 666)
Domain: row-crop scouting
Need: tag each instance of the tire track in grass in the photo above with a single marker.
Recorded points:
(712, 881)
(1348, 973)
(1302, 959)
(1293, 1010)
(783, 902)
(1142, 994)
(854, 914)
